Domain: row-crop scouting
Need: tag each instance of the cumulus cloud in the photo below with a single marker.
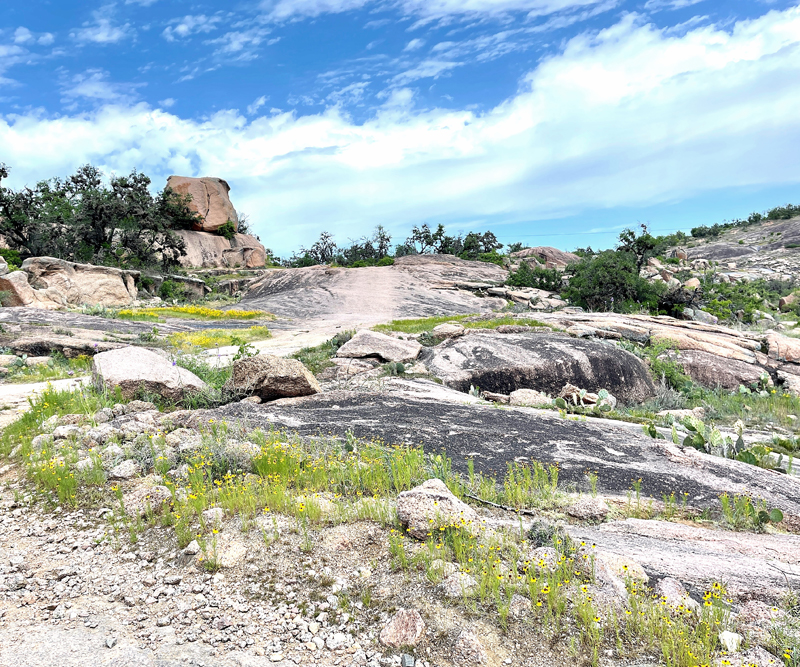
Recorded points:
(629, 116)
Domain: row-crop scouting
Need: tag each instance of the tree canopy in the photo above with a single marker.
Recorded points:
(83, 219)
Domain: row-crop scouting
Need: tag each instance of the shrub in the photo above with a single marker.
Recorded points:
(539, 277)
(492, 257)
(609, 281)
(228, 230)
(171, 289)
(12, 257)
(386, 261)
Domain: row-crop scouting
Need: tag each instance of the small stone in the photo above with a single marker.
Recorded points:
(192, 549)
(730, 641)
(406, 660)
(406, 628)
(163, 621)
(173, 579)
(111, 642)
(337, 640)
(276, 657)
(458, 585)
(214, 515)
(125, 470)
(589, 509)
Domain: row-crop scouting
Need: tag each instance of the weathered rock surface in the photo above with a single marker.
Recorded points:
(415, 286)
(135, 369)
(209, 199)
(430, 506)
(271, 377)
(47, 282)
(701, 556)
(493, 438)
(551, 257)
(209, 250)
(529, 397)
(375, 344)
(503, 363)
(711, 370)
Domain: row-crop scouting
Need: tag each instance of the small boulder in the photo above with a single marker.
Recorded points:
(458, 585)
(406, 628)
(128, 469)
(692, 283)
(449, 330)
(135, 369)
(788, 301)
(530, 398)
(270, 377)
(589, 509)
(674, 595)
(374, 344)
(432, 505)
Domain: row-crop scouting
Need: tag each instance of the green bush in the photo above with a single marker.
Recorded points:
(386, 261)
(492, 257)
(609, 281)
(228, 230)
(12, 257)
(171, 289)
(538, 277)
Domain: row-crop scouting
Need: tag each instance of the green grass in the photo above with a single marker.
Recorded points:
(318, 358)
(58, 368)
(426, 324)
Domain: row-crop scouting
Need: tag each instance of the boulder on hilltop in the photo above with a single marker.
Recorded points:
(207, 250)
(550, 257)
(210, 200)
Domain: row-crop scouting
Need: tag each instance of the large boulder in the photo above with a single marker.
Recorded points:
(374, 344)
(503, 363)
(48, 282)
(713, 371)
(209, 199)
(207, 250)
(134, 369)
(270, 377)
(783, 348)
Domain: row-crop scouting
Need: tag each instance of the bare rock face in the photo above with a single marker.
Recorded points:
(209, 199)
(270, 377)
(207, 250)
(135, 368)
(47, 282)
(550, 257)
(468, 649)
(406, 628)
(503, 363)
(432, 505)
(783, 348)
(711, 370)
(374, 344)
(529, 397)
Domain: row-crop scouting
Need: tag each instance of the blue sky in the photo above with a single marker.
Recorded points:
(554, 122)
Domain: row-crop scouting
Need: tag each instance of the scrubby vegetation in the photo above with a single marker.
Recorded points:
(84, 219)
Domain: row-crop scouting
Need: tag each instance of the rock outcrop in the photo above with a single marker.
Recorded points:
(48, 282)
(503, 363)
(367, 344)
(135, 369)
(209, 250)
(209, 200)
(550, 257)
(271, 377)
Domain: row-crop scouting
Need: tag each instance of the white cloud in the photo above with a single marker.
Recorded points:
(281, 10)
(94, 85)
(189, 25)
(143, 3)
(102, 29)
(427, 69)
(414, 44)
(240, 44)
(24, 36)
(630, 116)
(257, 104)
(167, 103)
(656, 5)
